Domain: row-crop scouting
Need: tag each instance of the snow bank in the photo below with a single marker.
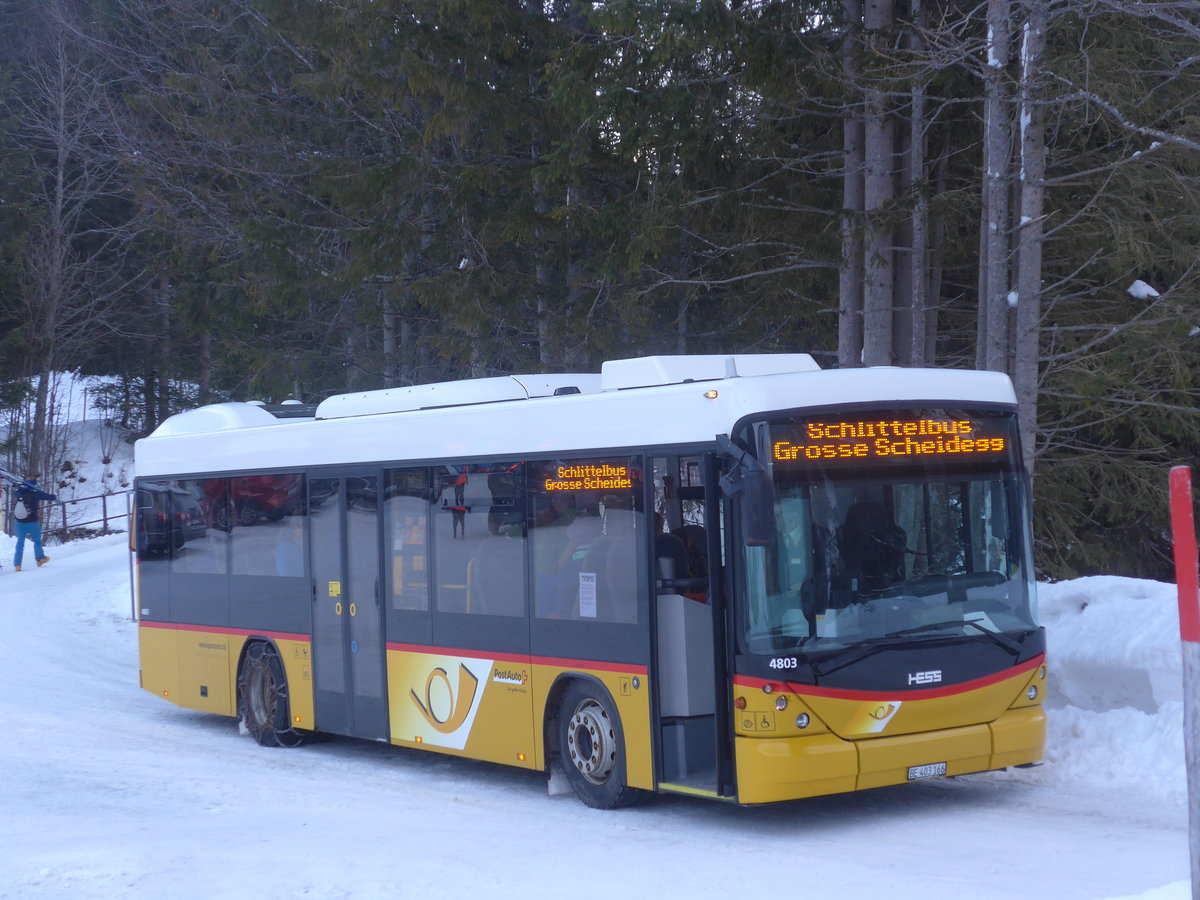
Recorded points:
(1114, 701)
(1114, 643)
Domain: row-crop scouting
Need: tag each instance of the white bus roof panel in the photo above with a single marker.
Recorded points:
(453, 393)
(622, 374)
(216, 417)
(585, 422)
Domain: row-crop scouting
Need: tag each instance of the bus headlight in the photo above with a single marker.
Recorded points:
(781, 702)
(1031, 692)
(802, 720)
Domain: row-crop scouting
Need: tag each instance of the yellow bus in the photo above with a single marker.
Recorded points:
(739, 577)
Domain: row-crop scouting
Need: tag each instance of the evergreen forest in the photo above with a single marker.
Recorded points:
(269, 199)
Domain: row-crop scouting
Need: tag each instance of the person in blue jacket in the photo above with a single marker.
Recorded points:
(30, 525)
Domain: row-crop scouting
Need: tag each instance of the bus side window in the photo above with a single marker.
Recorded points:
(406, 513)
(265, 521)
(202, 546)
(679, 498)
(585, 539)
(612, 561)
(479, 538)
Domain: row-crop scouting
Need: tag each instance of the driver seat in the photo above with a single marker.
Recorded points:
(872, 547)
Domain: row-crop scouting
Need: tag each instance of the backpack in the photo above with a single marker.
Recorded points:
(20, 511)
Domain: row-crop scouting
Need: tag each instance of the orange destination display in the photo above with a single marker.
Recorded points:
(876, 438)
(603, 477)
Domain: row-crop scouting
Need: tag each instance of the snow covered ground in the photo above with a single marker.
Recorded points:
(108, 791)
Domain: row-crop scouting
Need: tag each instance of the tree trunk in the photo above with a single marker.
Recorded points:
(918, 274)
(937, 238)
(149, 386)
(1030, 228)
(992, 350)
(204, 383)
(408, 365)
(391, 360)
(850, 277)
(165, 353)
(879, 190)
(681, 325)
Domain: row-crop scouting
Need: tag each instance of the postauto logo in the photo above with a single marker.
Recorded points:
(461, 700)
(510, 676)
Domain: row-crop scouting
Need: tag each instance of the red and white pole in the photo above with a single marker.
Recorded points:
(1183, 535)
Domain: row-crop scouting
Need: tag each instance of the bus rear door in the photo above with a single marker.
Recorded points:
(349, 685)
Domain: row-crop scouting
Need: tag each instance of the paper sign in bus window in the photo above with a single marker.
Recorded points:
(587, 595)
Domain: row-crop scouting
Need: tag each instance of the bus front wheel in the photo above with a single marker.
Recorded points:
(263, 698)
(592, 748)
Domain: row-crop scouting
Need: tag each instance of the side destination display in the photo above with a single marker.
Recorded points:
(602, 477)
(946, 436)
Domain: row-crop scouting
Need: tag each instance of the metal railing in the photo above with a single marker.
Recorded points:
(108, 514)
(114, 510)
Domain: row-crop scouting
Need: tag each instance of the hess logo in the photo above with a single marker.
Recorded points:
(933, 676)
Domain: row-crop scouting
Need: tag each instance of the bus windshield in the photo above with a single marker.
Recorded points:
(887, 525)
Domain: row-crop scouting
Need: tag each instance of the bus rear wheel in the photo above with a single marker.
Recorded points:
(592, 748)
(263, 698)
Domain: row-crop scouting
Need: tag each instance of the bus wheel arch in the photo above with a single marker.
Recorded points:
(263, 703)
(586, 736)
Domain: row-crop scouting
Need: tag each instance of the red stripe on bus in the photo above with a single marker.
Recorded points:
(590, 664)
(597, 665)
(216, 629)
(453, 651)
(805, 690)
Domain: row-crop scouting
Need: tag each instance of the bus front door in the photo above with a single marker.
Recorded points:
(689, 612)
(349, 685)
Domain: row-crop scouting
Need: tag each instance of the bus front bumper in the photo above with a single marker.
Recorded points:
(789, 768)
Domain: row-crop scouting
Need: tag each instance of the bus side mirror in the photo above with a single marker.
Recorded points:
(757, 508)
(750, 484)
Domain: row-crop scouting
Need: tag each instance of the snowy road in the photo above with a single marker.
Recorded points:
(110, 792)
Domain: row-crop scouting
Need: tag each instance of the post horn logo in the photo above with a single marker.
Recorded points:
(460, 700)
(882, 712)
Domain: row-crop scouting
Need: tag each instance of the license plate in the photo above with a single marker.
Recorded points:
(930, 771)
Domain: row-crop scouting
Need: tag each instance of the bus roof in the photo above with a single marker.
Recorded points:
(651, 401)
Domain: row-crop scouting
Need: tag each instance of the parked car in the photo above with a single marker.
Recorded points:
(167, 518)
(254, 498)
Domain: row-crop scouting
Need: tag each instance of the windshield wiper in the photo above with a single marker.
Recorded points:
(871, 646)
(1007, 643)
(860, 651)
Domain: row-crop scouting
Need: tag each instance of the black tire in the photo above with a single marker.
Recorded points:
(591, 746)
(249, 513)
(263, 698)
